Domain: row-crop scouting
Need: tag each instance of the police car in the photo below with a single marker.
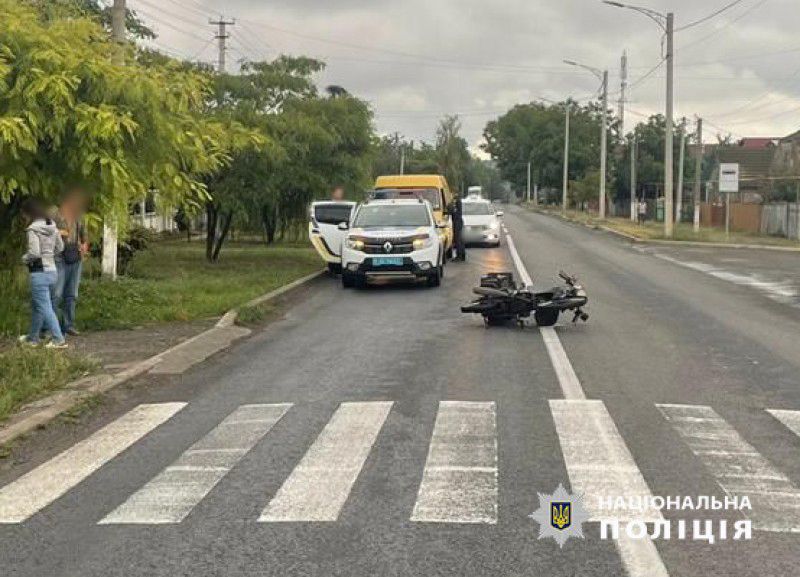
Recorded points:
(395, 240)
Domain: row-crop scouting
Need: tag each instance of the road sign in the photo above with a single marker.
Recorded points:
(729, 177)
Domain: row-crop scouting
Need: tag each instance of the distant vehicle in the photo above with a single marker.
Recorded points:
(324, 232)
(481, 222)
(475, 192)
(393, 239)
(430, 187)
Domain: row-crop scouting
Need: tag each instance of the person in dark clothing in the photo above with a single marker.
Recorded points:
(458, 229)
(70, 262)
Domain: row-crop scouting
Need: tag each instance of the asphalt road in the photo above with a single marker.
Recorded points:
(381, 432)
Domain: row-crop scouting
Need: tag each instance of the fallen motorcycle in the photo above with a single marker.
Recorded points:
(502, 301)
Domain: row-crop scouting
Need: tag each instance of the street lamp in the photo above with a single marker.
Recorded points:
(601, 75)
(667, 23)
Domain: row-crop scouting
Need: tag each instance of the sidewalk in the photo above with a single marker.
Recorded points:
(166, 349)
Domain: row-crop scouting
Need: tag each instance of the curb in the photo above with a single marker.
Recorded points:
(38, 413)
(664, 242)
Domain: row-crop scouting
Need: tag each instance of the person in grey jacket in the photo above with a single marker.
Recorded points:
(44, 244)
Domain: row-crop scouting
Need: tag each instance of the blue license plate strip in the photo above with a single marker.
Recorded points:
(387, 261)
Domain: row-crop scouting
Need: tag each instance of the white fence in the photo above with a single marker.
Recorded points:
(781, 219)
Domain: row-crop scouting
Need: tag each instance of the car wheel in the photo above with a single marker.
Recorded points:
(334, 268)
(546, 317)
(348, 281)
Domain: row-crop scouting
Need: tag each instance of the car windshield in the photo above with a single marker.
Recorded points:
(477, 209)
(432, 195)
(378, 216)
(332, 213)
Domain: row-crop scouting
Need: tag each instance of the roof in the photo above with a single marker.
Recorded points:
(411, 181)
(758, 142)
(753, 162)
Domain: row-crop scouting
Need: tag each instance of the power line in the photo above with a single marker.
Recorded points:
(724, 27)
(710, 16)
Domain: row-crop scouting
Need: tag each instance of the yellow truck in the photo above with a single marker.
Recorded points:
(430, 187)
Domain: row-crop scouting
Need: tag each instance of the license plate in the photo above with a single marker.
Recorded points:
(387, 261)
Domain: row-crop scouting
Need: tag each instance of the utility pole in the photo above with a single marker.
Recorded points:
(698, 174)
(222, 36)
(604, 147)
(623, 89)
(679, 189)
(564, 198)
(118, 33)
(402, 159)
(668, 160)
(634, 208)
(529, 183)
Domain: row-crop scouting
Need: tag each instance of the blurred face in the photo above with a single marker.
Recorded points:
(338, 193)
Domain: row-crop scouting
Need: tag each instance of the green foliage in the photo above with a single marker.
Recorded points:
(452, 153)
(171, 281)
(27, 374)
(71, 116)
(535, 133)
(309, 145)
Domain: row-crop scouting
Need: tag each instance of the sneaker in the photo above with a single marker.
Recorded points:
(73, 332)
(25, 341)
(55, 345)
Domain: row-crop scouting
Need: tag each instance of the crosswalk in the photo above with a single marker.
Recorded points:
(459, 483)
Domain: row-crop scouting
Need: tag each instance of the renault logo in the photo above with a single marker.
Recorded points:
(387, 247)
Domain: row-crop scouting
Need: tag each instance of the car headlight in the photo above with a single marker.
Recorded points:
(422, 241)
(355, 243)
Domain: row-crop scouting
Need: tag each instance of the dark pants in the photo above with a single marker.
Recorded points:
(458, 245)
(65, 295)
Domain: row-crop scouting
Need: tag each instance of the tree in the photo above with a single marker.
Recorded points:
(535, 133)
(309, 144)
(452, 152)
(92, 9)
(70, 117)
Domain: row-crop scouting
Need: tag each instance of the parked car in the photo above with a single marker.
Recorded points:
(481, 222)
(324, 232)
(393, 239)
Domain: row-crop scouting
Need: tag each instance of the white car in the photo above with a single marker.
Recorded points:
(393, 239)
(324, 232)
(481, 222)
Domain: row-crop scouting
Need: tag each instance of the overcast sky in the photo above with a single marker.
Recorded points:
(416, 60)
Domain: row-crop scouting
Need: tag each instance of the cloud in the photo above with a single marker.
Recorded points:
(417, 60)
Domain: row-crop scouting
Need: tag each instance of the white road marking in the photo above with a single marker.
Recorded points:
(459, 483)
(567, 378)
(319, 486)
(737, 467)
(789, 418)
(172, 494)
(784, 292)
(521, 270)
(35, 490)
(597, 459)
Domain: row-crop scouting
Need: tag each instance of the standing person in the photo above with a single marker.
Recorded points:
(70, 262)
(458, 230)
(44, 243)
(642, 209)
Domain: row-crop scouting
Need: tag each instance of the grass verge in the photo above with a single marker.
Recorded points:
(683, 231)
(172, 281)
(27, 374)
